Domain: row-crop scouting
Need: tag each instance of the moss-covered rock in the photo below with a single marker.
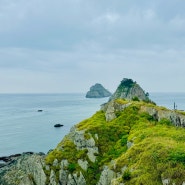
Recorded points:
(128, 89)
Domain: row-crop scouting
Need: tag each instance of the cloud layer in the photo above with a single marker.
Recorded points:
(66, 46)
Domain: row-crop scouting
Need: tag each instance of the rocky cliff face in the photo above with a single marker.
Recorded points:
(25, 169)
(128, 89)
(97, 91)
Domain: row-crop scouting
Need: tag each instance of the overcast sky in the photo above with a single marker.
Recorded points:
(69, 45)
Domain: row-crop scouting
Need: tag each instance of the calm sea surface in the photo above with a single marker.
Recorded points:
(23, 128)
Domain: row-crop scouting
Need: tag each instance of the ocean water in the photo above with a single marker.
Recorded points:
(23, 128)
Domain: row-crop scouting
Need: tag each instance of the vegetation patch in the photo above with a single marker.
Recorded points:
(157, 153)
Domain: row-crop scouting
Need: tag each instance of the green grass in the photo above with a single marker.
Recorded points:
(158, 150)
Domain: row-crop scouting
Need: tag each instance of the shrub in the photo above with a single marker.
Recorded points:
(126, 175)
(135, 98)
(165, 121)
(177, 156)
(124, 140)
(72, 167)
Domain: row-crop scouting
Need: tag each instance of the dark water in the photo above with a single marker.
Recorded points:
(23, 128)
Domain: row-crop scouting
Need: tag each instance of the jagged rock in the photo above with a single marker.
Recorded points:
(176, 118)
(106, 176)
(98, 91)
(63, 175)
(52, 178)
(55, 162)
(75, 179)
(111, 108)
(128, 89)
(82, 143)
(24, 169)
(83, 164)
(166, 181)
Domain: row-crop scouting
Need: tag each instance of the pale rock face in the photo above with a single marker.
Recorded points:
(129, 144)
(98, 91)
(166, 181)
(83, 164)
(74, 179)
(26, 169)
(26, 181)
(63, 175)
(129, 89)
(52, 178)
(111, 108)
(176, 118)
(106, 176)
(82, 143)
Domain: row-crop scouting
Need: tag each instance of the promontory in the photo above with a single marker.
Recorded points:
(129, 141)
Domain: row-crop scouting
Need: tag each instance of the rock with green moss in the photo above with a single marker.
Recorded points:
(128, 89)
(98, 91)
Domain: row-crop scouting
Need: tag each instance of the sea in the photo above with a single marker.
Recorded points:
(25, 129)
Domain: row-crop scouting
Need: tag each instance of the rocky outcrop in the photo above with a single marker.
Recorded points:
(82, 143)
(176, 118)
(128, 89)
(111, 108)
(106, 176)
(24, 169)
(98, 91)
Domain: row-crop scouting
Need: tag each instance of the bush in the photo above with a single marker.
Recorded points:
(126, 175)
(72, 167)
(135, 98)
(147, 116)
(165, 121)
(124, 140)
(177, 156)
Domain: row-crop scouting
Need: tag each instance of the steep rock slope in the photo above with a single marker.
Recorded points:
(128, 89)
(98, 91)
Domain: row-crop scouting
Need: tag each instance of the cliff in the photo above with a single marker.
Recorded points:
(125, 143)
(128, 89)
(98, 91)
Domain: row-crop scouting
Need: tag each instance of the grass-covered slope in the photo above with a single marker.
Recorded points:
(136, 147)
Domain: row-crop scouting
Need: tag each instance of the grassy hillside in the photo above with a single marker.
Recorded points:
(135, 146)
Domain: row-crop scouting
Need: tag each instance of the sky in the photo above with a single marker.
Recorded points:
(66, 46)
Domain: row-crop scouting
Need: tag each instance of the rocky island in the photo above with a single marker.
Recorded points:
(98, 91)
(129, 141)
(128, 89)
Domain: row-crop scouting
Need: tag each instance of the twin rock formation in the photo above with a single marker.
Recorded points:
(128, 89)
(91, 154)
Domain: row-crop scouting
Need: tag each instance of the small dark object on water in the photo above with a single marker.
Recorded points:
(39, 110)
(58, 125)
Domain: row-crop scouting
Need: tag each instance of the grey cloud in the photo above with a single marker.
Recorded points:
(83, 41)
(66, 24)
